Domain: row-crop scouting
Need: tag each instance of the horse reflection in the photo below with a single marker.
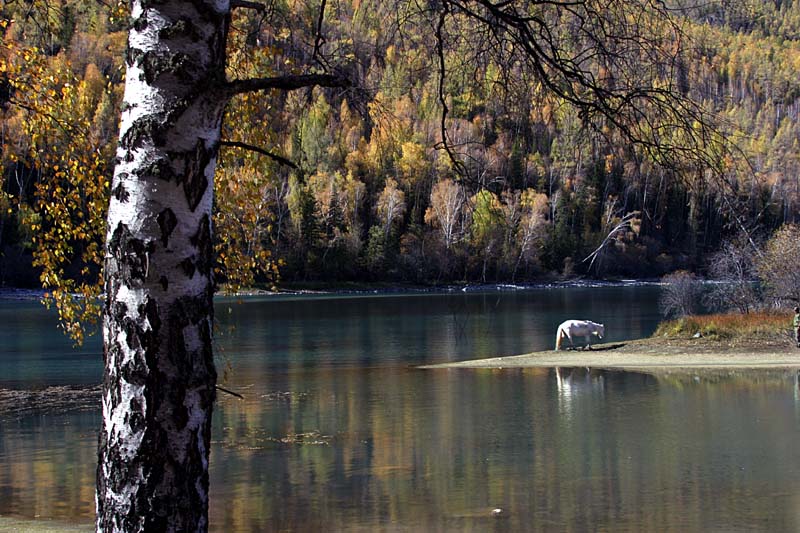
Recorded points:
(574, 383)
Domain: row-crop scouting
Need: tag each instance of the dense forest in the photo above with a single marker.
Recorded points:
(338, 185)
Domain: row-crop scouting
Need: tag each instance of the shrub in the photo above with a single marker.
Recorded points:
(679, 295)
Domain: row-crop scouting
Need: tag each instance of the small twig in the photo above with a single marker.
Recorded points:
(226, 391)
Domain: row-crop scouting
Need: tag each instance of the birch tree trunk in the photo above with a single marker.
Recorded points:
(159, 380)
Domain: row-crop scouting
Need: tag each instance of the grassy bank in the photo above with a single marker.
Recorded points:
(729, 326)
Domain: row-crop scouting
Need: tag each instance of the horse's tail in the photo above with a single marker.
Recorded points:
(559, 338)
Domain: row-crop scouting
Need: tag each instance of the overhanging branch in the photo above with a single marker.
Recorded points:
(275, 157)
(248, 5)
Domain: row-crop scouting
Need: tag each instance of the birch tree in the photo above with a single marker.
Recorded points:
(391, 206)
(159, 380)
(447, 202)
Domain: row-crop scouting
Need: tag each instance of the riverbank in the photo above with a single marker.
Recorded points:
(658, 355)
(19, 525)
(354, 288)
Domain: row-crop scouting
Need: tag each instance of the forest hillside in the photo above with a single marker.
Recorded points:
(354, 184)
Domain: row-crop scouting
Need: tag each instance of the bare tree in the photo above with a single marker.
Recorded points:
(778, 266)
(733, 270)
(679, 294)
(533, 225)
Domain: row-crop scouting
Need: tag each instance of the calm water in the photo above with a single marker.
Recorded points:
(340, 432)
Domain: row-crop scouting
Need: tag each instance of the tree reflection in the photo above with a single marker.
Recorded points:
(380, 448)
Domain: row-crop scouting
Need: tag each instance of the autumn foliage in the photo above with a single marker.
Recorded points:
(355, 184)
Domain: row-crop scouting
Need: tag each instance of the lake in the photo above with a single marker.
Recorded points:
(339, 431)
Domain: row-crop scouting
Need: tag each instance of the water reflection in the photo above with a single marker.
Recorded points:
(572, 383)
(438, 450)
(339, 432)
(410, 451)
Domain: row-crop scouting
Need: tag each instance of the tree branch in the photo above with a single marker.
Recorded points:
(623, 225)
(457, 164)
(284, 83)
(319, 40)
(248, 5)
(275, 157)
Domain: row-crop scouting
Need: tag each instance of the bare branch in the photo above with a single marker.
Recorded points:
(245, 4)
(623, 225)
(319, 40)
(275, 157)
(457, 164)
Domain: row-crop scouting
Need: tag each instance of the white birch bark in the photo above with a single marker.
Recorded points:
(159, 371)
(159, 380)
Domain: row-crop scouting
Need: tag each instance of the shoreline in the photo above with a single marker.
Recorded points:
(653, 355)
(380, 289)
(43, 525)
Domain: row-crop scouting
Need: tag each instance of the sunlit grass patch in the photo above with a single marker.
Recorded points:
(728, 325)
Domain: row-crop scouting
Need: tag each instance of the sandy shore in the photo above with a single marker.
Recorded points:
(9, 525)
(655, 355)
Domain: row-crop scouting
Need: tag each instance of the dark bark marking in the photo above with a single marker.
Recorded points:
(137, 416)
(192, 311)
(140, 23)
(187, 265)
(135, 371)
(194, 178)
(119, 311)
(164, 282)
(154, 64)
(141, 333)
(182, 28)
(149, 312)
(161, 169)
(121, 193)
(166, 222)
(143, 128)
(133, 55)
(131, 254)
(109, 382)
(202, 240)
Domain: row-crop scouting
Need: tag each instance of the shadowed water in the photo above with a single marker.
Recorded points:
(339, 431)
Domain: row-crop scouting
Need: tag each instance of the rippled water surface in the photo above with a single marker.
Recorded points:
(340, 432)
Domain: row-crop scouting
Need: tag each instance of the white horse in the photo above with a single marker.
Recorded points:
(579, 328)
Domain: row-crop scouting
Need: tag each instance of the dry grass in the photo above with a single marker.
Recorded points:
(729, 325)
